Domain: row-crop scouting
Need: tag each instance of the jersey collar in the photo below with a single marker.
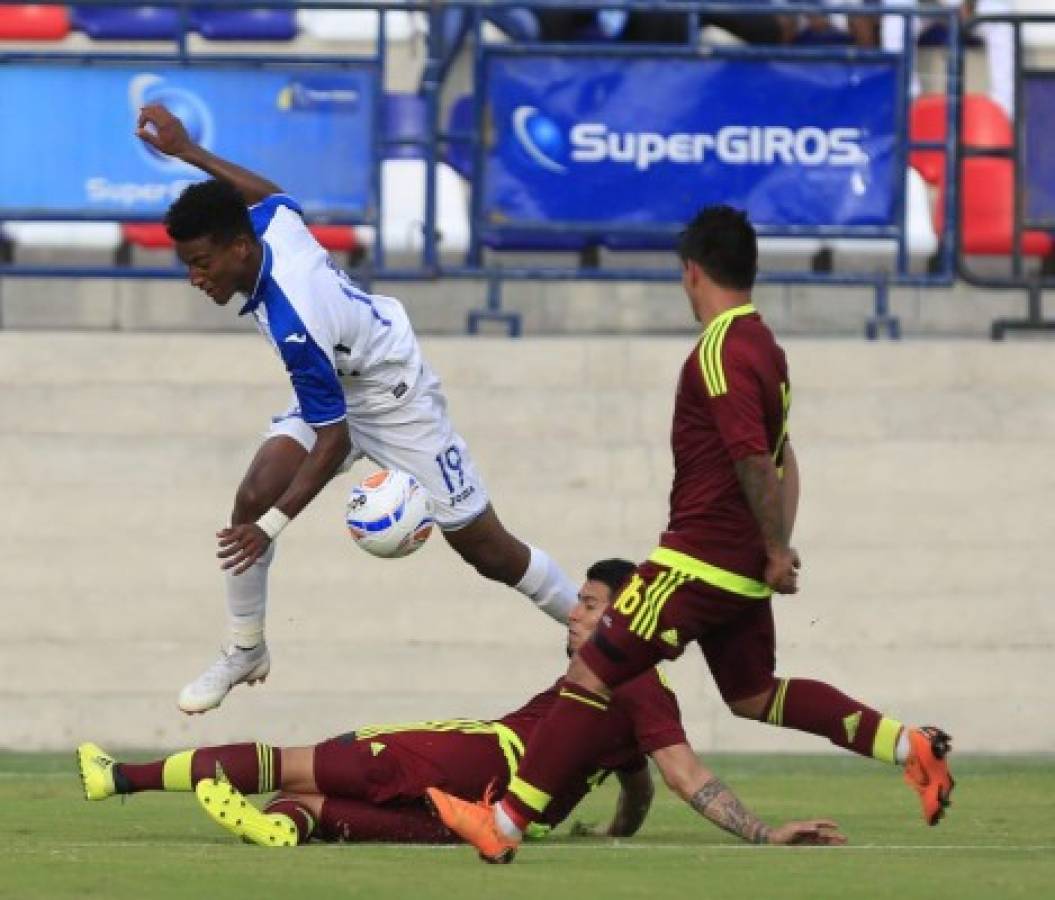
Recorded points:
(258, 289)
(735, 313)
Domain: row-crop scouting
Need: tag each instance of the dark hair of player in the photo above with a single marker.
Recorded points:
(611, 572)
(211, 208)
(722, 242)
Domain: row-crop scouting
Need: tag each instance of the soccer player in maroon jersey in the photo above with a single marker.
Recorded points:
(370, 785)
(726, 549)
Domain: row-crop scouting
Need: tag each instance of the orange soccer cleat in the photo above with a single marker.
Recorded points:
(475, 824)
(928, 773)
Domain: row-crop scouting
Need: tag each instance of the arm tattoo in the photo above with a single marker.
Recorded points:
(719, 804)
(759, 482)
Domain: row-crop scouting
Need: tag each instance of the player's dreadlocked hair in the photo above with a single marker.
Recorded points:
(722, 242)
(212, 208)
(611, 572)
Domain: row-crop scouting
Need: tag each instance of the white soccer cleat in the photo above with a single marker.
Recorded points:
(234, 666)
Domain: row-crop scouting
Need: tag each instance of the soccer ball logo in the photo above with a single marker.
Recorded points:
(389, 514)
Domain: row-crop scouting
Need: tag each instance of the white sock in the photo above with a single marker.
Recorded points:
(548, 587)
(506, 824)
(901, 751)
(247, 601)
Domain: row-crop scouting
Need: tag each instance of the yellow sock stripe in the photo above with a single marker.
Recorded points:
(267, 767)
(175, 773)
(884, 744)
(776, 708)
(529, 795)
(588, 701)
(713, 575)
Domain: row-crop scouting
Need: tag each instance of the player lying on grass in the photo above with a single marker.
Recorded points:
(370, 785)
(361, 388)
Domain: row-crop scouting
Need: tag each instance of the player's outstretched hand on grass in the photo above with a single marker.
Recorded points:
(241, 546)
(811, 833)
(162, 130)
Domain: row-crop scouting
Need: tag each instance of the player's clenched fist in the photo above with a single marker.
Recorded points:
(782, 570)
(162, 130)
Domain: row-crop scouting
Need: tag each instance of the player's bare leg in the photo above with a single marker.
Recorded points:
(497, 554)
(245, 658)
(822, 710)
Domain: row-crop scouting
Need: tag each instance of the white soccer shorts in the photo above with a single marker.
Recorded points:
(417, 436)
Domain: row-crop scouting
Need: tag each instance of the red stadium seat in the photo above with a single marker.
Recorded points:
(148, 235)
(985, 127)
(987, 198)
(33, 22)
(337, 238)
(152, 236)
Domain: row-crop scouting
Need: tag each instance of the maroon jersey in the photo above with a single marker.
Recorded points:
(395, 764)
(643, 717)
(732, 401)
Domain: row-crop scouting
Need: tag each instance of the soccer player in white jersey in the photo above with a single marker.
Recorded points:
(361, 386)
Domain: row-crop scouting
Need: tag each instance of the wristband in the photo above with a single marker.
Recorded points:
(272, 522)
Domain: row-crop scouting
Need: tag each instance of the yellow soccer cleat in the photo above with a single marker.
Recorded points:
(96, 767)
(227, 807)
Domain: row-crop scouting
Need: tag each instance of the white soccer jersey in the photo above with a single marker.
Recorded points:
(346, 351)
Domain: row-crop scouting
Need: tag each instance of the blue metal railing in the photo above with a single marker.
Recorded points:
(429, 263)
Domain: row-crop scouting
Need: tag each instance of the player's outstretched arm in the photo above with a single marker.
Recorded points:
(705, 793)
(163, 131)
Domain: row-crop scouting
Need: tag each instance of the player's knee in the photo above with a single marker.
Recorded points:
(250, 503)
(751, 707)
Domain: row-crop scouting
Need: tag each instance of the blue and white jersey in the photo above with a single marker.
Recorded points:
(346, 351)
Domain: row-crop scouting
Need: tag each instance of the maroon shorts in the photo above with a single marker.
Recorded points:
(662, 610)
(397, 766)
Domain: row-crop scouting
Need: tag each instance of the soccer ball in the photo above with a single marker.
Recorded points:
(389, 514)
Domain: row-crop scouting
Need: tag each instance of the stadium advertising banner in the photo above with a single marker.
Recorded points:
(647, 141)
(69, 145)
(1039, 94)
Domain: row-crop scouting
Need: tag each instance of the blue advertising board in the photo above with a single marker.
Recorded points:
(646, 141)
(1039, 104)
(68, 145)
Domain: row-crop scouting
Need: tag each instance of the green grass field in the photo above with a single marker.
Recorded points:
(998, 842)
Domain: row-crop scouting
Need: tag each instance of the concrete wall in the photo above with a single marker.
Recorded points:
(925, 531)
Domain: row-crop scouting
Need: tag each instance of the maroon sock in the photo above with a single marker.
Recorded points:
(298, 812)
(820, 709)
(564, 746)
(342, 819)
(132, 777)
(252, 768)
